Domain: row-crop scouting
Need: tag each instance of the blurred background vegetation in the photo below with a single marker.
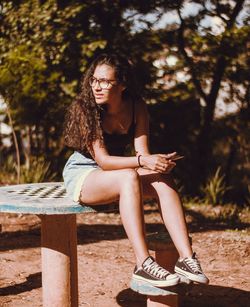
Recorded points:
(192, 64)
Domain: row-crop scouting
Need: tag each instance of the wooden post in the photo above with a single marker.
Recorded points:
(165, 255)
(59, 261)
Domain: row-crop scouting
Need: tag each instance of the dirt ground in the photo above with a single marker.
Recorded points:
(106, 261)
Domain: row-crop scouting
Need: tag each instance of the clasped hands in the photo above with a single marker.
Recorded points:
(160, 163)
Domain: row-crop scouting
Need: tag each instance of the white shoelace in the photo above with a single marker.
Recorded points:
(156, 270)
(194, 264)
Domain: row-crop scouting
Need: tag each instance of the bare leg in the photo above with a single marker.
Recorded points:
(162, 187)
(107, 186)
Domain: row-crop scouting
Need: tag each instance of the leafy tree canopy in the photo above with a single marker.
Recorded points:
(184, 65)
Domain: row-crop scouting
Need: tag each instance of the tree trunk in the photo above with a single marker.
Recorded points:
(205, 141)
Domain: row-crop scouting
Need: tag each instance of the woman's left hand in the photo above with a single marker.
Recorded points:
(160, 163)
(168, 165)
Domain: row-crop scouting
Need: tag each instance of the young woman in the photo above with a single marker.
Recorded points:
(104, 119)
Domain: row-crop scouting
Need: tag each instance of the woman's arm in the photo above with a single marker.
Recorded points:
(142, 129)
(159, 162)
(107, 162)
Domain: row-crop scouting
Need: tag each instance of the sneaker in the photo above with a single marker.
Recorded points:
(191, 268)
(150, 272)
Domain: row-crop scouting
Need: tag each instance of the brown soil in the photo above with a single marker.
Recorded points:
(105, 259)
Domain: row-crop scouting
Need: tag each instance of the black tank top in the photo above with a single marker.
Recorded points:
(116, 143)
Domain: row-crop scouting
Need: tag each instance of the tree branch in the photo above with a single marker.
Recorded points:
(189, 61)
(222, 62)
(218, 12)
(235, 13)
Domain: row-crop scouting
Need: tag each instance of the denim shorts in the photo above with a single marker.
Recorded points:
(75, 172)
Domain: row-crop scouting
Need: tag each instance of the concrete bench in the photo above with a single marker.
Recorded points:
(59, 242)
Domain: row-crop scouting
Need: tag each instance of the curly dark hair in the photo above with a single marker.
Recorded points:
(83, 120)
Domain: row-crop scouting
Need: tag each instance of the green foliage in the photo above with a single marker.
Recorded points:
(45, 46)
(44, 50)
(37, 170)
(8, 173)
(215, 188)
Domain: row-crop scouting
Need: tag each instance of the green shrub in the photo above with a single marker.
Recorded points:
(8, 174)
(37, 170)
(215, 188)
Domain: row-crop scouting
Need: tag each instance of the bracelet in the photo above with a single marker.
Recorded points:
(139, 162)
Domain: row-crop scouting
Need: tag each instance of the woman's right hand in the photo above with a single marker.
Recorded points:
(160, 163)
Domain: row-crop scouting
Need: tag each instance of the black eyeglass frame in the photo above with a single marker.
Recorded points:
(93, 81)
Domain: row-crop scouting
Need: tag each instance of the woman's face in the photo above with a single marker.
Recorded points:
(105, 87)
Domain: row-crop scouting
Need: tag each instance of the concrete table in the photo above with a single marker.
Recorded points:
(58, 235)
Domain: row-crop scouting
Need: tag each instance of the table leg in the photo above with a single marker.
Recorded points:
(59, 261)
(167, 259)
(166, 255)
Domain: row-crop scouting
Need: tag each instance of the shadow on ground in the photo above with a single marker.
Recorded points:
(189, 295)
(94, 233)
(202, 223)
(33, 281)
(192, 296)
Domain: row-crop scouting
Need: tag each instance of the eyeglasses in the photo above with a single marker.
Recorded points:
(103, 83)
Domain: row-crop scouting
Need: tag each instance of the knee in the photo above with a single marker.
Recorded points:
(129, 176)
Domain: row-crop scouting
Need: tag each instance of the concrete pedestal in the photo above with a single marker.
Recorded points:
(59, 261)
(165, 255)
